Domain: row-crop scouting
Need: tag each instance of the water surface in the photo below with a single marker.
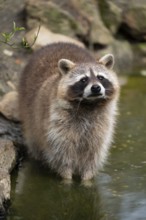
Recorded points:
(117, 193)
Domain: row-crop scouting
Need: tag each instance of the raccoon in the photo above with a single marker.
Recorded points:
(68, 104)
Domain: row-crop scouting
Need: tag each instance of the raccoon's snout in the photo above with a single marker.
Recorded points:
(96, 89)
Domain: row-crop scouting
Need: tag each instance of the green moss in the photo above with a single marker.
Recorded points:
(59, 21)
(142, 46)
(111, 14)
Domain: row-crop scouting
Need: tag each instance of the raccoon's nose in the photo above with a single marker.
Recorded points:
(96, 89)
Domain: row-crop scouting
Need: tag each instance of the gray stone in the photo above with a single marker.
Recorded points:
(7, 162)
(139, 51)
(134, 22)
(10, 130)
(7, 155)
(5, 186)
(111, 15)
(9, 106)
(10, 69)
(45, 37)
(53, 16)
(72, 18)
(126, 4)
(98, 33)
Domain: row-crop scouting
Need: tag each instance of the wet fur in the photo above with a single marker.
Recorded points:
(72, 137)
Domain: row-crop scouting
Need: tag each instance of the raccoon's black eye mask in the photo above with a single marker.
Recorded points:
(100, 77)
(78, 88)
(106, 83)
(84, 80)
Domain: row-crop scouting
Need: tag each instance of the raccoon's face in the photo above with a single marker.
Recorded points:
(89, 82)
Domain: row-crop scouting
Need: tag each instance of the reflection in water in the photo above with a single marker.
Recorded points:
(49, 198)
(118, 193)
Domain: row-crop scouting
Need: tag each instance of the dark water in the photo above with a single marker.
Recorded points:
(118, 193)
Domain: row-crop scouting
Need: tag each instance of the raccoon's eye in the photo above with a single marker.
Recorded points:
(84, 80)
(100, 77)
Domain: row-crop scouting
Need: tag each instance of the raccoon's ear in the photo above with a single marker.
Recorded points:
(65, 65)
(107, 60)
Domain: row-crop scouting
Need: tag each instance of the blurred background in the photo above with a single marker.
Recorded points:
(114, 26)
(102, 26)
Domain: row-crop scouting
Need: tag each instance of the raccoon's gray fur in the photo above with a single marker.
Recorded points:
(68, 103)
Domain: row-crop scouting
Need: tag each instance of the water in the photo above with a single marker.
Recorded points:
(117, 193)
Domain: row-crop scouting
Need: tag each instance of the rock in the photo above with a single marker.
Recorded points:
(7, 162)
(111, 15)
(5, 187)
(53, 16)
(10, 70)
(98, 33)
(123, 54)
(46, 37)
(125, 4)
(141, 47)
(72, 18)
(10, 130)
(139, 50)
(8, 52)
(9, 106)
(134, 22)
(7, 155)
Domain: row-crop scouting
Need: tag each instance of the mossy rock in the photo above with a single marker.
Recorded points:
(71, 18)
(134, 19)
(141, 48)
(111, 15)
(54, 17)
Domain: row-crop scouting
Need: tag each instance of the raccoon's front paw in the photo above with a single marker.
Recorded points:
(66, 174)
(87, 176)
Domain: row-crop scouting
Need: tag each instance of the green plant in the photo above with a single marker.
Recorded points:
(8, 38)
